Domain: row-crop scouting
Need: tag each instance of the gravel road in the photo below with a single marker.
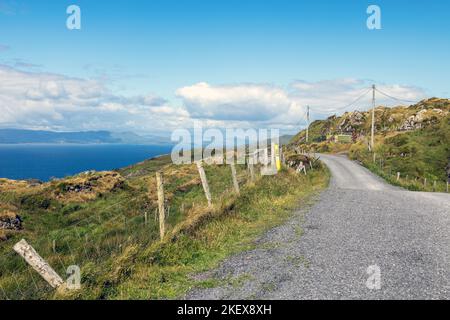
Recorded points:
(334, 249)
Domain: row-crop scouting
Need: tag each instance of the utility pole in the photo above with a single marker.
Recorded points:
(307, 128)
(372, 142)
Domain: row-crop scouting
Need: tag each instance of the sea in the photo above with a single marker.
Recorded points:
(47, 161)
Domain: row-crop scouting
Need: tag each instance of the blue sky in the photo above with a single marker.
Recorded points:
(184, 54)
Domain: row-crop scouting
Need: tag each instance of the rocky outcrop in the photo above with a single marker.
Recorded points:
(296, 160)
(9, 219)
(352, 122)
(13, 222)
(422, 119)
(87, 186)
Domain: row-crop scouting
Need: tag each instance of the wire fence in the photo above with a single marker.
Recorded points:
(95, 235)
(415, 182)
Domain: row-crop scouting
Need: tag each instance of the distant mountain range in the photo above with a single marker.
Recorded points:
(21, 136)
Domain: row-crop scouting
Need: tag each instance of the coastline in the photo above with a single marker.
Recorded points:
(45, 162)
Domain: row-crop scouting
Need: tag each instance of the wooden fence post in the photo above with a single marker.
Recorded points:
(425, 182)
(202, 173)
(434, 186)
(38, 263)
(251, 168)
(266, 157)
(398, 176)
(161, 202)
(235, 181)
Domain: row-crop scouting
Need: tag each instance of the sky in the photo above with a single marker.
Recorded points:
(155, 66)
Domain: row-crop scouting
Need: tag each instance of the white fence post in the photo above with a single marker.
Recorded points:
(38, 263)
(235, 181)
(202, 173)
(161, 202)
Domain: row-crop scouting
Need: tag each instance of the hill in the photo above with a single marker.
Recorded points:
(107, 224)
(414, 141)
(396, 119)
(18, 136)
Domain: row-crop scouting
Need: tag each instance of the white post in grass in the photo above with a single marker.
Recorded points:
(38, 263)
(235, 181)
(252, 172)
(161, 202)
(202, 173)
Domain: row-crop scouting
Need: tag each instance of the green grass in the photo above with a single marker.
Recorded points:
(122, 257)
(421, 156)
(166, 272)
(418, 155)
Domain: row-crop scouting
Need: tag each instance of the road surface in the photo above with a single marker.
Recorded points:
(362, 239)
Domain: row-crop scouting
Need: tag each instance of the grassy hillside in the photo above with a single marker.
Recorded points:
(401, 119)
(411, 140)
(417, 155)
(96, 220)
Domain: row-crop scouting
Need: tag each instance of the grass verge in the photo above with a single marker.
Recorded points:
(164, 270)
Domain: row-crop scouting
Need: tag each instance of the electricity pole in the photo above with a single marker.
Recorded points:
(372, 142)
(307, 128)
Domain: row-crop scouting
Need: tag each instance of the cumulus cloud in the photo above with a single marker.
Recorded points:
(340, 95)
(245, 102)
(53, 101)
(270, 105)
(30, 99)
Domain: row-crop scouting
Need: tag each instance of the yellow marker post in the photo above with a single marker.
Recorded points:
(277, 156)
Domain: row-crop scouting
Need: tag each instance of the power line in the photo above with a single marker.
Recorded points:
(394, 98)
(350, 104)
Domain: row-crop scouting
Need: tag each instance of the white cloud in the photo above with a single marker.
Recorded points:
(269, 105)
(52, 101)
(337, 96)
(245, 102)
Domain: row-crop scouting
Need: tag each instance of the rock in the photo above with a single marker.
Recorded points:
(294, 161)
(88, 186)
(352, 122)
(34, 182)
(422, 119)
(10, 222)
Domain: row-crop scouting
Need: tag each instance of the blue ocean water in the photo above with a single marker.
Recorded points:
(44, 161)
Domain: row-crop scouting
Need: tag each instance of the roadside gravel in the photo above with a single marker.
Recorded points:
(324, 250)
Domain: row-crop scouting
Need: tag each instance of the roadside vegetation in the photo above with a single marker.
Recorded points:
(412, 144)
(416, 160)
(106, 223)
